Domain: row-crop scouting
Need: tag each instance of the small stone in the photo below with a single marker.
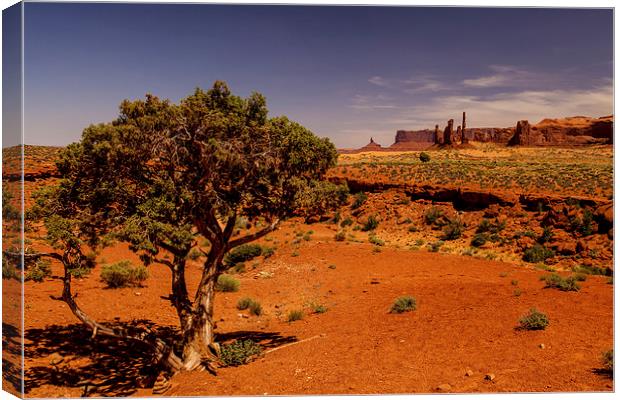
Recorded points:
(137, 293)
(469, 372)
(242, 316)
(489, 377)
(542, 346)
(444, 387)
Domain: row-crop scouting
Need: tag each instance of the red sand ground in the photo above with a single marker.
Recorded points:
(466, 318)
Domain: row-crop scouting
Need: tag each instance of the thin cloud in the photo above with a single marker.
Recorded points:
(376, 102)
(424, 84)
(379, 81)
(503, 75)
(505, 109)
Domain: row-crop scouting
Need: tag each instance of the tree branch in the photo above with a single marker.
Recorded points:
(253, 236)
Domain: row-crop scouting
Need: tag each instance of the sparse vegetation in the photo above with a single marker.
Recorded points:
(537, 253)
(608, 360)
(371, 224)
(425, 157)
(123, 274)
(242, 253)
(403, 304)
(556, 281)
(295, 315)
(227, 283)
(239, 352)
(534, 320)
(453, 229)
(358, 200)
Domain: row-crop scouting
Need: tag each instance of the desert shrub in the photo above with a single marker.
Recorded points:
(245, 252)
(537, 253)
(514, 282)
(608, 360)
(425, 157)
(479, 239)
(244, 303)
(39, 271)
(340, 236)
(495, 226)
(403, 304)
(432, 216)
(435, 246)
(268, 251)
(226, 283)
(194, 254)
(336, 218)
(517, 292)
(583, 225)
(238, 268)
(534, 320)
(346, 222)
(546, 235)
(453, 229)
(592, 270)
(370, 224)
(359, 199)
(295, 315)
(580, 277)
(239, 352)
(123, 274)
(556, 281)
(8, 270)
(412, 228)
(318, 308)
(295, 253)
(373, 239)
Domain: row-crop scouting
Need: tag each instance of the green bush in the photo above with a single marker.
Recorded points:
(412, 228)
(453, 229)
(268, 251)
(592, 270)
(239, 352)
(537, 253)
(194, 254)
(123, 274)
(425, 157)
(547, 235)
(340, 236)
(318, 308)
(608, 360)
(245, 252)
(39, 271)
(403, 304)
(358, 200)
(435, 246)
(247, 303)
(346, 222)
(8, 270)
(432, 216)
(479, 239)
(494, 226)
(370, 224)
(555, 281)
(373, 239)
(226, 283)
(534, 320)
(295, 315)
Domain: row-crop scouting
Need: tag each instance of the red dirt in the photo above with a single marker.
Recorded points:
(466, 319)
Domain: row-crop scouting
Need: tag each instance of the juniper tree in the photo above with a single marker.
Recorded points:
(163, 175)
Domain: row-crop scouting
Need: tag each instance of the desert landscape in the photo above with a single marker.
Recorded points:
(478, 235)
(289, 200)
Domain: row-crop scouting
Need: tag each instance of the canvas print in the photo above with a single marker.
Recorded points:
(226, 200)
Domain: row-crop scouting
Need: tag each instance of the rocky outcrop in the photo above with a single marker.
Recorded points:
(448, 133)
(522, 135)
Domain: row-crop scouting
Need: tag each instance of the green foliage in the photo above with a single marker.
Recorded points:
(247, 303)
(268, 251)
(8, 270)
(39, 271)
(373, 239)
(318, 308)
(340, 236)
(534, 320)
(489, 226)
(239, 352)
(556, 281)
(453, 229)
(547, 235)
(295, 315)
(608, 360)
(435, 246)
(242, 253)
(359, 199)
(8, 211)
(592, 270)
(412, 228)
(537, 253)
(346, 222)
(479, 239)
(319, 197)
(583, 224)
(123, 274)
(227, 283)
(425, 157)
(432, 216)
(194, 254)
(403, 304)
(370, 224)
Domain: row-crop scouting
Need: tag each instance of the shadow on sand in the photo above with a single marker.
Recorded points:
(103, 366)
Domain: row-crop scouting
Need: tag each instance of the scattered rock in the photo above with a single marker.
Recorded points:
(469, 372)
(489, 377)
(542, 346)
(242, 316)
(444, 387)
(137, 293)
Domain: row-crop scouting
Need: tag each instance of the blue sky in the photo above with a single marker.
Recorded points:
(344, 72)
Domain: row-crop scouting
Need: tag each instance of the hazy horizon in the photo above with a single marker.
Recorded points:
(345, 72)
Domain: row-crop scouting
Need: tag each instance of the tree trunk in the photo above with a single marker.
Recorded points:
(180, 298)
(198, 338)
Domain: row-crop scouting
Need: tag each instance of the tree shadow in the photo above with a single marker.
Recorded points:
(69, 356)
(608, 373)
(267, 340)
(11, 349)
(105, 366)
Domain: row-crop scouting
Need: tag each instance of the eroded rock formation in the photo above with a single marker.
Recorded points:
(522, 134)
